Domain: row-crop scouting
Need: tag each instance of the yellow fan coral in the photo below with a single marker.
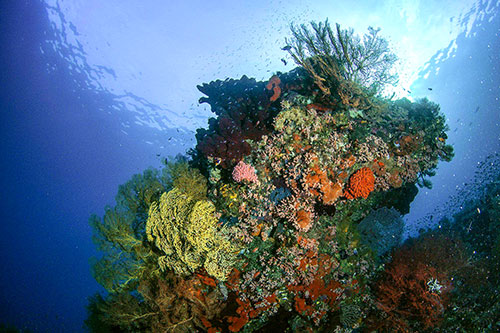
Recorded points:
(186, 231)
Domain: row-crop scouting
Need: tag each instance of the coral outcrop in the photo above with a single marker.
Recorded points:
(283, 218)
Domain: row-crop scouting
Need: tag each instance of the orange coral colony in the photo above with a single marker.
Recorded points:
(274, 85)
(318, 179)
(361, 183)
(304, 219)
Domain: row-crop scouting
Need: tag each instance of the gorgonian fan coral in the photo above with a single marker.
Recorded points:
(416, 286)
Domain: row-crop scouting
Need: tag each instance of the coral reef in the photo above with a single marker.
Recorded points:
(282, 219)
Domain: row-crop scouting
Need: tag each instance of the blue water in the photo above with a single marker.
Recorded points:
(67, 142)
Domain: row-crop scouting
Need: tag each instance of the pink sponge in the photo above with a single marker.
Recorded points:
(243, 171)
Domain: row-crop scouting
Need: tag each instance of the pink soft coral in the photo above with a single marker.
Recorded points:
(243, 171)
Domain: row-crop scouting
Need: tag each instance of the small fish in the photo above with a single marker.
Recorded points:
(223, 290)
(429, 89)
(286, 48)
(283, 61)
(441, 139)
(470, 227)
(477, 109)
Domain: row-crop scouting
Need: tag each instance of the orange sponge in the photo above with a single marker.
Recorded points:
(361, 183)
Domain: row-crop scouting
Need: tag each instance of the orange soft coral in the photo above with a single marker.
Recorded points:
(274, 85)
(307, 295)
(361, 183)
(304, 220)
(318, 180)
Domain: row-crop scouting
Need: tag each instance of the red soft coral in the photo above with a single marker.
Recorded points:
(416, 284)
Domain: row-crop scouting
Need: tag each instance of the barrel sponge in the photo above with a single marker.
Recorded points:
(382, 230)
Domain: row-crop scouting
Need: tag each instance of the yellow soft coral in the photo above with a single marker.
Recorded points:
(187, 233)
(189, 180)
